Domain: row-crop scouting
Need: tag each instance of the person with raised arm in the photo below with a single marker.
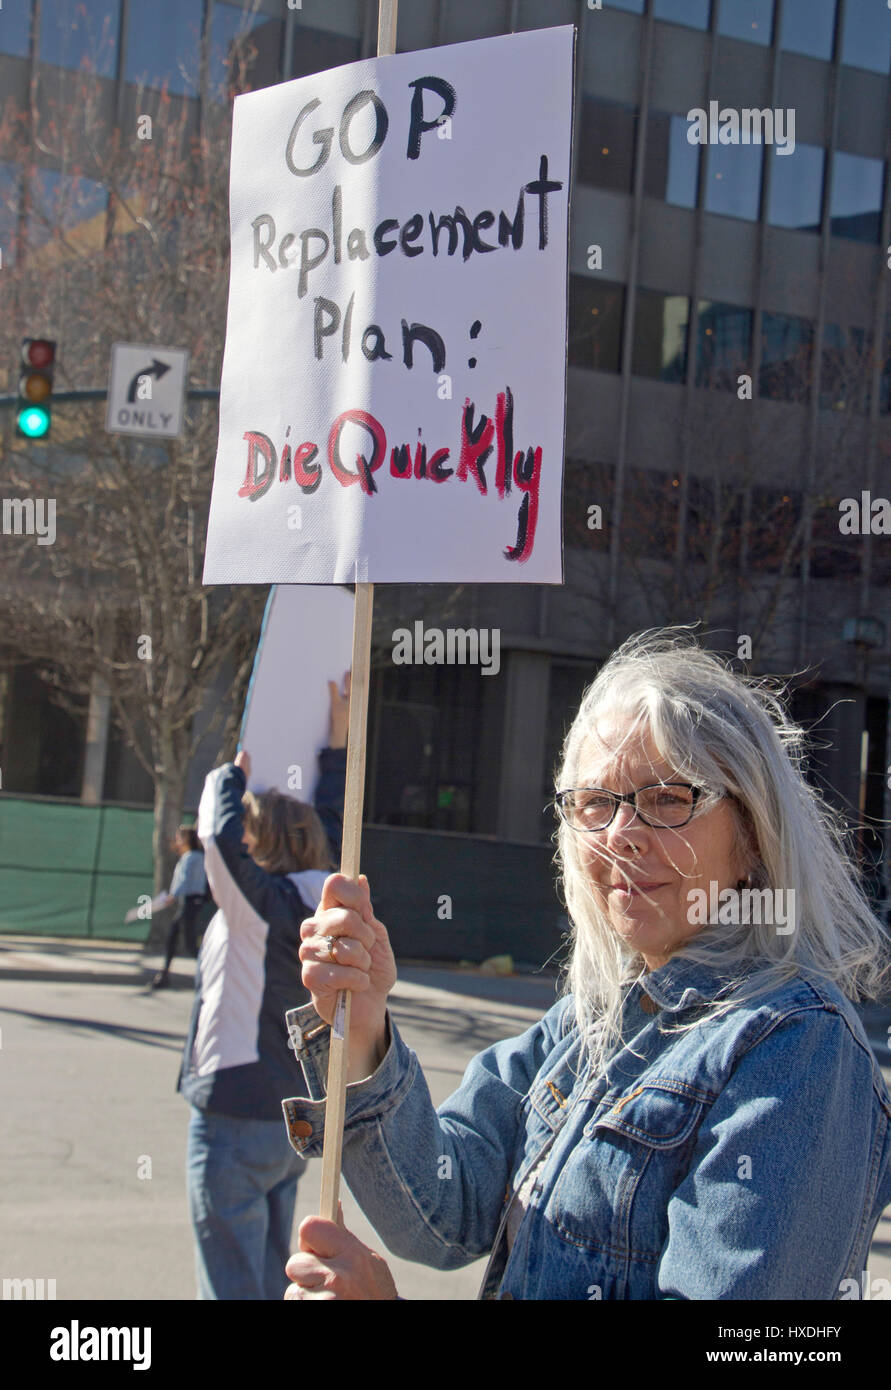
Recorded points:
(266, 856)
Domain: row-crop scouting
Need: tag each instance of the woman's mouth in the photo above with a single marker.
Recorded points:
(634, 890)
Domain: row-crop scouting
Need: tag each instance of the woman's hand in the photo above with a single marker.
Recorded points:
(362, 962)
(339, 716)
(332, 1263)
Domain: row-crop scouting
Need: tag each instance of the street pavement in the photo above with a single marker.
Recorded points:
(89, 1061)
(92, 1151)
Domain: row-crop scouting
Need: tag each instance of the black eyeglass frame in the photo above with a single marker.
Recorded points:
(631, 797)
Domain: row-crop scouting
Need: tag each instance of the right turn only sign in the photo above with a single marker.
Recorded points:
(146, 390)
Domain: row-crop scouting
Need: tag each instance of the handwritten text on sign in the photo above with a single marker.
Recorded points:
(397, 321)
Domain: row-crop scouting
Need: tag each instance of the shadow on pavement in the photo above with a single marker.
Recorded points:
(148, 1037)
(453, 1027)
(526, 991)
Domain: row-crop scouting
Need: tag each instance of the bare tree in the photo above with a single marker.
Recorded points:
(122, 235)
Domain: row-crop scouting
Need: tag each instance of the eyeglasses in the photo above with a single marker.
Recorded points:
(664, 805)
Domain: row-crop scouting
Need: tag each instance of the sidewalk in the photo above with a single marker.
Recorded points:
(70, 960)
(75, 960)
(93, 1161)
(446, 1014)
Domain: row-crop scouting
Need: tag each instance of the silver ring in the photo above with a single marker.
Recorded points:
(332, 948)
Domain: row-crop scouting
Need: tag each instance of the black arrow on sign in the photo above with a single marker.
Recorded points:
(157, 370)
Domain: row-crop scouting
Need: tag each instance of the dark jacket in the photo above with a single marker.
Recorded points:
(236, 1059)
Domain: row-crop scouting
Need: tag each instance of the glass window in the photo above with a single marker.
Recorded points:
(596, 308)
(660, 335)
(808, 26)
(856, 204)
(649, 527)
(723, 344)
(713, 526)
(633, 6)
(163, 45)
(671, 170)
(586, 481)
(733, 180)
(774, 534)
(845, 369)
(796, 188)
(832, 555)
(606, 154)
(317, 49)
(66, 203)
(866, 35)
(693, 13)
(80, 34)
(15, 28)
(751, 20)
(567, 684)
(786, 348)
(244, 51)
(428, 747)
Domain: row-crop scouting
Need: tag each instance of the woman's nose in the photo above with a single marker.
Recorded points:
(626, 817)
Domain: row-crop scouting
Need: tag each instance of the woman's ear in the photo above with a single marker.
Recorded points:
(747, 853)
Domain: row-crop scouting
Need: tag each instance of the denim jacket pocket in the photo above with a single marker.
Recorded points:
(660, 1113)
(615, 1183)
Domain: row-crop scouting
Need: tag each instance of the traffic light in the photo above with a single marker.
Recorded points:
(34, 410)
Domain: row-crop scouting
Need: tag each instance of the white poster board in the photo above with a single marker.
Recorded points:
(393, 388)
(306, 640)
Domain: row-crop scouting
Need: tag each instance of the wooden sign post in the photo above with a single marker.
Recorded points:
(354, 798)
(339, 1054)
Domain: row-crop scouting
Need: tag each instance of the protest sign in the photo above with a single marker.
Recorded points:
(393, 387)
(306, 640)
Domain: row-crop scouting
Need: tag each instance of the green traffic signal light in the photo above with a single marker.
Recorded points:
(36, 369)
(33, 422)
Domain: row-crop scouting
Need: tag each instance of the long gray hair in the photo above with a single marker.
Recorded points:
(728, 734)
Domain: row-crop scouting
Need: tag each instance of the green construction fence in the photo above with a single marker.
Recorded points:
(67, 869)
(72, 870)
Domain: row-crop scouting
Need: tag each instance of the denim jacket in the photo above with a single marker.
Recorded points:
(746, 1158)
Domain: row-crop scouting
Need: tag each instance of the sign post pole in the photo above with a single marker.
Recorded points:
(339, 1053)
(338, 1057)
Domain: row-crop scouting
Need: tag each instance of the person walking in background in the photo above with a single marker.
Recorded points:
(188, 887)
(266, 856)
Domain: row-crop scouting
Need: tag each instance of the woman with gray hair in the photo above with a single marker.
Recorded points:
(700, 1116)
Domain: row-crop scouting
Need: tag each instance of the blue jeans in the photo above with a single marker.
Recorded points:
(242, 1182)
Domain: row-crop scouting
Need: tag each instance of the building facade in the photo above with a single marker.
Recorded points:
(728, 381)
